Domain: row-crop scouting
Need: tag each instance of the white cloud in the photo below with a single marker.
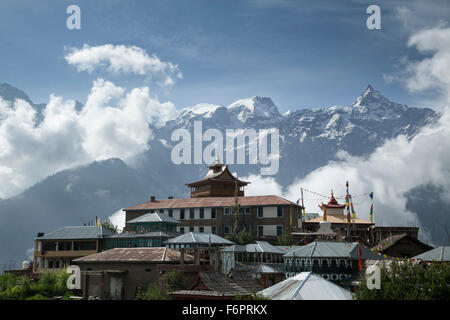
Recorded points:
(123, 59)
(113, 123)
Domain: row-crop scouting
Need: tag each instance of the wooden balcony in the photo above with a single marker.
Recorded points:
(64, 253)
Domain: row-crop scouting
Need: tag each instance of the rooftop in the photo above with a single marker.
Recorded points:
(76, 232)
(153, 234)
(155, 254)
(212, 202)
(259, 246)
(306, 286)
(332, 250)
(199, 238)
(437, 254)
(392, 240)
(154, 217)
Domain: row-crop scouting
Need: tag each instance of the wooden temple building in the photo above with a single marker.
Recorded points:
(210, 208)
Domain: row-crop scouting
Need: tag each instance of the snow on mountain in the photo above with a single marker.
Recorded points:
(261, 108)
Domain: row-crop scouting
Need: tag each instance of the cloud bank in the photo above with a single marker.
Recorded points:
(113, 123)
(123, 59)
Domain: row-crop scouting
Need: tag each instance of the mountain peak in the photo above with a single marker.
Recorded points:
(369, 97)
(254, 107)
(10, 93)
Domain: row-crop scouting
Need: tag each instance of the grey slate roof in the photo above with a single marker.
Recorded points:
(76, 232)
(154, 217)
(324, 249)
(259, 246)
(199, 238)
(437, 254)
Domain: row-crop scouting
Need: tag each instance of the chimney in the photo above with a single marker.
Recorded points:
(170, 198)
(152, 199)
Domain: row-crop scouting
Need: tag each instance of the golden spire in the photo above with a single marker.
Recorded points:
(324, 213)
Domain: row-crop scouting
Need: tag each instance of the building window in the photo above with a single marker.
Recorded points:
(260, 212)
(191, 213)
(213, 230)
(279, 230)
(171, 213)
(279, 212)
(182, 229)
(213, 213)
(181, 214)
(191, 229)
(260, 231)
(226, 229)
(202, 213)
(201, 229)
(228, 210)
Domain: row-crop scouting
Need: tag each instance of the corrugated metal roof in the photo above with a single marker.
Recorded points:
(238, 284)
(154, 217)
(212, 202)
(199, 238)
(259, 246)
(156, 254)
(259, 267)
(437, 254)
(306, 286)
(154, 234)
(76, 232)
(332, 250)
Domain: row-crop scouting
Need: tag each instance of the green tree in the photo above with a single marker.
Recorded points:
(286, 239)
(408, 281)
(174, 280)
(243, 237)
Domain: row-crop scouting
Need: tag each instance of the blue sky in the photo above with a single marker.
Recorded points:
(299, 53)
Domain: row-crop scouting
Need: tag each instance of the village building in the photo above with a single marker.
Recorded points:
(210, 208)
(216, 286)
(122, 273)
(204, 247)
(334, 261)
(306, 286)
(57, 249)
(261, 259)
(149, 230)
(401, 246)
(340, 229)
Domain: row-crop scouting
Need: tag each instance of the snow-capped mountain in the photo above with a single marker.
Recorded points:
(309, 138)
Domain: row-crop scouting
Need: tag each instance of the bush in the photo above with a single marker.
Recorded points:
(286, 239)
(153, 292)
(408, 281)
(20, 287)
(174, 280)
